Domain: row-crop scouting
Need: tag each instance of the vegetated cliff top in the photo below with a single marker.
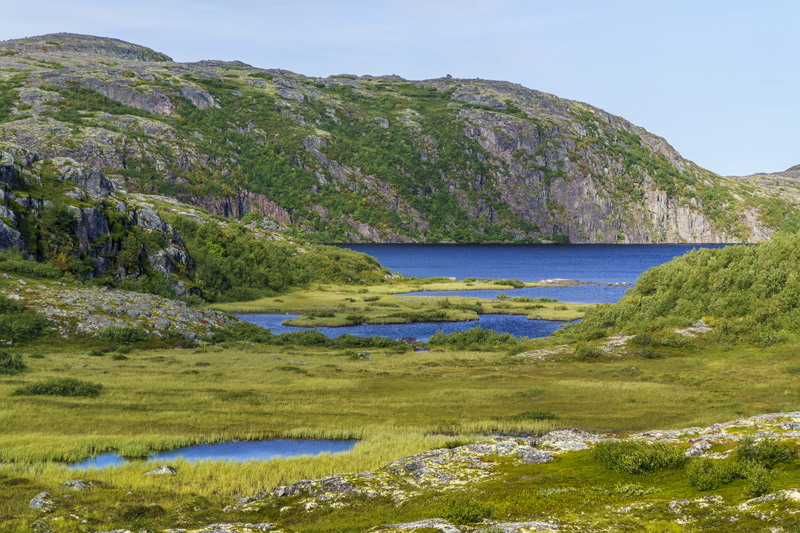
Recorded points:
(369, 158)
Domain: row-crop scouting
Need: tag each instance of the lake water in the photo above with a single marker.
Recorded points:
(230, 451)
(517, 325)
(606, 263)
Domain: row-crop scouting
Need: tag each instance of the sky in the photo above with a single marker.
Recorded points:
(716, 79)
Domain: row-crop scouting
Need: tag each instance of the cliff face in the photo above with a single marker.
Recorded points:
(382, 159)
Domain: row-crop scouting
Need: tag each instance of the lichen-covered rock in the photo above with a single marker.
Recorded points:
(163, 470)
(43, 500)
(77, 484)
(92, 181)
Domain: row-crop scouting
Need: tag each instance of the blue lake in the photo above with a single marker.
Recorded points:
(606, 263)
(230, 451)
(517, 325)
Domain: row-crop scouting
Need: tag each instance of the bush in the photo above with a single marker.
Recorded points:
(60, 387)
(759, 478)
(474, 339)
(119, 357)
(637, 457)
(11, 365)
(96, 353)
(463, 509)
(123, 335)
(675, 340)
(29, 268)
(586, 351)
(643, 339)
(707, 474)
(766, 452)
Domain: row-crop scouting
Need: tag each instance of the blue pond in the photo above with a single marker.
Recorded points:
(230, 451)
(605, 263)
(517, 325)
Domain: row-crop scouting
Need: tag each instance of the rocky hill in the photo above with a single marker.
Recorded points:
(370, 158)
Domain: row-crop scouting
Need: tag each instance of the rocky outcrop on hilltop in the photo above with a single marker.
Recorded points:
(371, 158)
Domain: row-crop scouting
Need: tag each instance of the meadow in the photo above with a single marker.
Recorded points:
(397, 403)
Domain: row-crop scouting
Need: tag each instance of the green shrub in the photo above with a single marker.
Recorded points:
(119, 357)
(474, 339)
(463, 509)
(36, 355)
(33, 269)
(10, 364)
(124, 349)
(643, 339)
(96, 353)
(60, 387)
(707, 474)
(585, 351)
(759, 478)
(123, 335)
(637, 457)
(675, 340)
(766, 452)
(26, 326)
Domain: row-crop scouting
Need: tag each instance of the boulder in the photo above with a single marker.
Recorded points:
(200, 98)
(7, 171)
(42, 500)
(698, 449)
(535, 456)
(163, 470)
(77, 484)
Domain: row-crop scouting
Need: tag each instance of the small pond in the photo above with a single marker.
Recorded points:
(230, 451)
(584, 294)
(517, 325)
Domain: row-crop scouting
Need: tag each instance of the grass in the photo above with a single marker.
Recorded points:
(340, 305)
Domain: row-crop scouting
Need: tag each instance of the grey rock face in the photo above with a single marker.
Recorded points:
(7, 171)
(92, 181)
(10, 238)
(42, 501)
(201, 99)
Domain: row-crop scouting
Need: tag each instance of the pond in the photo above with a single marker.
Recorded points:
(517, 325)
(260, 450)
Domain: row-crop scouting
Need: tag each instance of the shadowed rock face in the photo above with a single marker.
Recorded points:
(371, 158)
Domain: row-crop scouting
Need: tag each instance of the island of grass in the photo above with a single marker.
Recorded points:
(348, 305)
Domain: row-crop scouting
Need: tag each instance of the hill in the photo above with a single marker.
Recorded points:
(369, 158)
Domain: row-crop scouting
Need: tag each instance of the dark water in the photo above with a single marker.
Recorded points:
(231, 451)
(517, 325)
(606, 263)
(586, 294)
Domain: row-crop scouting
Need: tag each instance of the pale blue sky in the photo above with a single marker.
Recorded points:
(717, 79)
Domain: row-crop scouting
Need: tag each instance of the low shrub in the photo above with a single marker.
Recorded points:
(707, 474)
(463, 509)
(96, 353)
(60, 387)
(759, 478)
(119, 357)
(643, 339)
(29, 268)
(11, 365)
(474, 339)
(585, 351)
(637, 457)
(766, 452)
(675, 340)
(123, 335)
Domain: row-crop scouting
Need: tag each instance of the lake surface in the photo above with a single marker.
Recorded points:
(605, 263)
(517, 325)
(230, 451)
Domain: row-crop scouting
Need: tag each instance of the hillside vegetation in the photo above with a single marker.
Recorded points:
(749, 293)
(370, 158)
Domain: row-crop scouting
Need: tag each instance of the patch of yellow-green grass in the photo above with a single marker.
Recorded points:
(333, 306)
